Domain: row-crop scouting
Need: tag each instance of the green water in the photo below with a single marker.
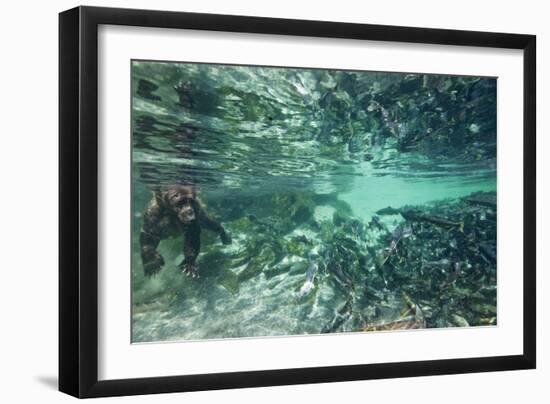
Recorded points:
(295, 164)
(395, 191)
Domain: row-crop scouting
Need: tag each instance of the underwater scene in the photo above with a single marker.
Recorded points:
(279, 201)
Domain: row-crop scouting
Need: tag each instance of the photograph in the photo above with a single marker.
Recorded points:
(276, 201)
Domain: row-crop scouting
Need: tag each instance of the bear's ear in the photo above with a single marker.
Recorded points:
(157, 194)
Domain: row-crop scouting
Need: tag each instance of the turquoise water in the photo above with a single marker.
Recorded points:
(298, 166)
(396, 191)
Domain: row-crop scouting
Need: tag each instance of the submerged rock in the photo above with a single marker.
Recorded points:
(308, 285)
(230, 281)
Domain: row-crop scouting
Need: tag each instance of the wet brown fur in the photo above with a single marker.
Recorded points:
(176, 211)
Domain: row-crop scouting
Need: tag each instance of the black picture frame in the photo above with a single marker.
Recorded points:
(78, 201)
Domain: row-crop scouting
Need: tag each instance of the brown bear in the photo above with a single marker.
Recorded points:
(171, 213)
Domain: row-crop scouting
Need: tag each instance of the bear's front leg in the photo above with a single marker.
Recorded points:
(208, 223)
(150, 257)
(191, 249)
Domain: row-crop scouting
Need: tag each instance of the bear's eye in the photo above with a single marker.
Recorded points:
(181, 201)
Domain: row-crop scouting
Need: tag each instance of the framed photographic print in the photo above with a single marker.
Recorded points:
(251, 201)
